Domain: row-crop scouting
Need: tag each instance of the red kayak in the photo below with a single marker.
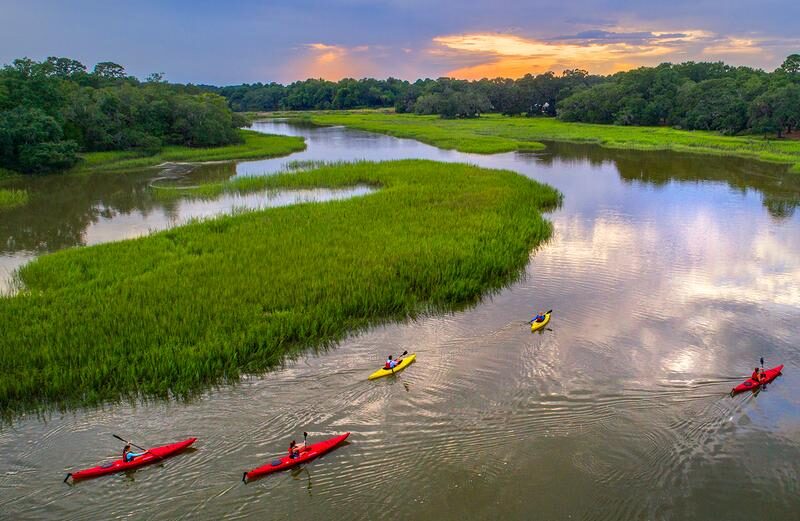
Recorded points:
(312, 451)
(151, 456)
(751, 384)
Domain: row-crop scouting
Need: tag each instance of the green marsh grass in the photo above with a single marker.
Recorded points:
(492, 133)
(179, 310)
(10, 198)
(7, 173)
(255, 146)
(236, 185)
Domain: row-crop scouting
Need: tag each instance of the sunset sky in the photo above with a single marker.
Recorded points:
(231, 42)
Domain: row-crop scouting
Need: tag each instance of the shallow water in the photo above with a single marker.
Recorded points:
(87, 209)
(669, 274)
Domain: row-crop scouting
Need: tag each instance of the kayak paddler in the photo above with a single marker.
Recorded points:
(759, 376)
(391, 364)
(295, 449)
(538, 318)
(128, 454)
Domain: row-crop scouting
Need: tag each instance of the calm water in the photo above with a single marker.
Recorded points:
(670, 275)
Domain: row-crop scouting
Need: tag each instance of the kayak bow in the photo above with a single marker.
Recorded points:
(312, 451)
(151, 456)
(751, 384)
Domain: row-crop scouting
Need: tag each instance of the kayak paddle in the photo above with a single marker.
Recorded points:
(531, 320)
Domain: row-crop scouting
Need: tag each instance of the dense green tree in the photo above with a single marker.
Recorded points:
(30, 141)
(27, 83)
(791, 65)
(66, 67)
(776, 110)
(203, 121)
(50, 110)
(600, 104)
(713, 105)
(155, 77)
(109, 70)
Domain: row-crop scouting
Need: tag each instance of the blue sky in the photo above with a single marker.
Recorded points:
(246, 40)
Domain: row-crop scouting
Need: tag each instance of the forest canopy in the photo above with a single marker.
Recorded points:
(54, 109)
(447, 97)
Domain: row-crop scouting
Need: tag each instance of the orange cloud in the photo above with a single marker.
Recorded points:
(734, 46)
(514, 56)
(332, 62)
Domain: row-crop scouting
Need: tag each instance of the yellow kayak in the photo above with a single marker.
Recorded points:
(405, 362)
(535, 326)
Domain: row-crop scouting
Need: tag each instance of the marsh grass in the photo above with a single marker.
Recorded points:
(306, 164)
(255, 146)
(5, 174)
(493, 133)
(10, 198)
(236, 185)
(183, 309)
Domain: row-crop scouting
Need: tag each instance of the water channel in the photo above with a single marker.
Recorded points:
(670, 276)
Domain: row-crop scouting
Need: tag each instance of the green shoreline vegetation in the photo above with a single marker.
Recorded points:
(494, 133)
(53, 111)
(180, 310)
(255, 145)
(10, 198)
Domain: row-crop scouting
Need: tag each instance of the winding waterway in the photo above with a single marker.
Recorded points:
(670, 275)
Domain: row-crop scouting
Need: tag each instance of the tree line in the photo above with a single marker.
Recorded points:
(694, 96)
(448, 97)
(690, 95)
(54, 109)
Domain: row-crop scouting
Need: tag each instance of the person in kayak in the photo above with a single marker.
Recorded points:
(128, 455)
(391, 364)
(538, 318)
(295, 449)
(759, 376)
